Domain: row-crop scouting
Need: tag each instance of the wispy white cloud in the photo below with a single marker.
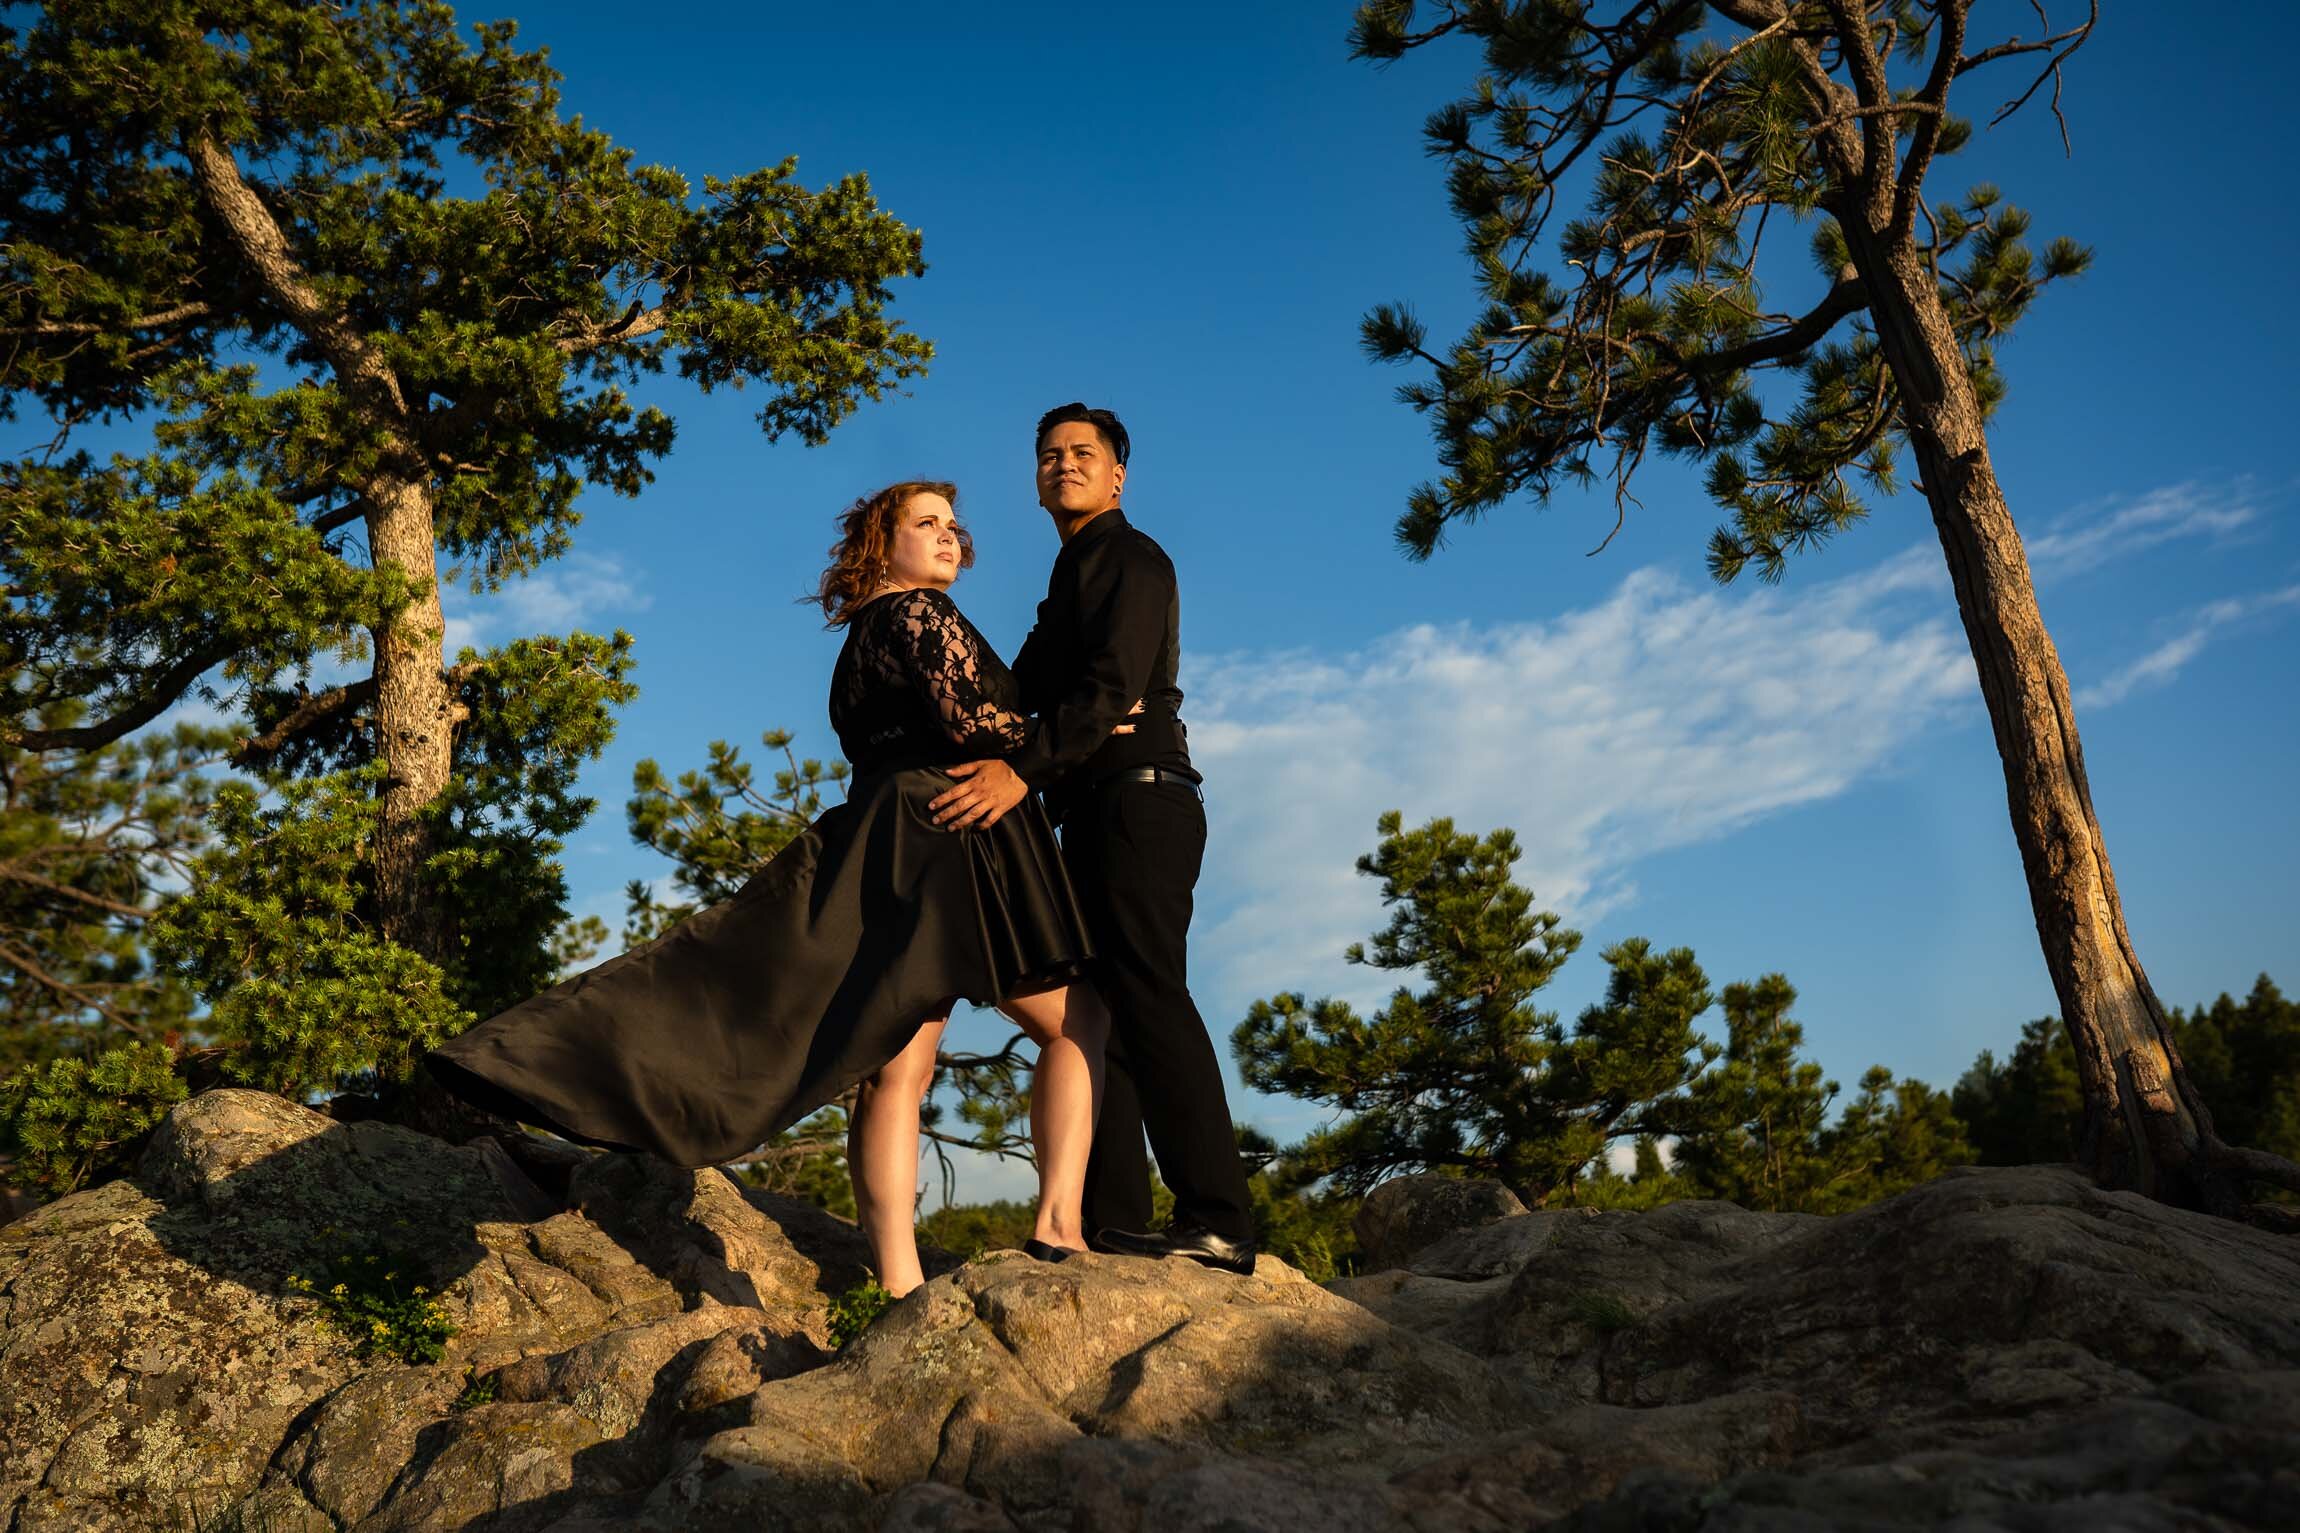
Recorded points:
(2199, 629)
(576, 591)
(1663, 716)
(2097, 534)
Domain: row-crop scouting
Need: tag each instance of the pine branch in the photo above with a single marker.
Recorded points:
(1870, 86)
(344, 515)
(321, 706)
(25, 964)
(2016, 47)
(256, 234)
(313, 710)
(1848, 296)
(164, 317)
(158, 700)
(636, 322)
(2074, 38)
(1821, 90)
(1909, 191)
(16, 873)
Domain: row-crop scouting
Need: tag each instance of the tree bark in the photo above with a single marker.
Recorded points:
(415, 712)
(2144, 1125)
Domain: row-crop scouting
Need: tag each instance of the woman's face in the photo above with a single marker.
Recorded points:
(925, 547)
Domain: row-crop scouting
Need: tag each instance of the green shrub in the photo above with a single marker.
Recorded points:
(1603, 1313)
(373, 1301)
(853, 1311)
(69, 1119)
(476, 1391)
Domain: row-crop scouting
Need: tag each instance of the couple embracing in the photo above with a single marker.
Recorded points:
(940, 879)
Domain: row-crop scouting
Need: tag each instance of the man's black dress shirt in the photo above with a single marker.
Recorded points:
(1109, 632)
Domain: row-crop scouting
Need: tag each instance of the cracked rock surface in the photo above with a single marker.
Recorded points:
(2007, 1349)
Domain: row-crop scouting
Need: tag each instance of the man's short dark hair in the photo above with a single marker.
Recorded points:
(1106, 425)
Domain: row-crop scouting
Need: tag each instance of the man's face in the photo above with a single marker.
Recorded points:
(1077, 476)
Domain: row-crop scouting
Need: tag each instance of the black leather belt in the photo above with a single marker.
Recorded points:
(1157, 774)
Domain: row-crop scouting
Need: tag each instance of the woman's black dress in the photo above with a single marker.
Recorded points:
(744, 1018)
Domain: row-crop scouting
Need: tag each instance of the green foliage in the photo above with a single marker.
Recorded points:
(1649, 1185)
(809, 1161)
(1603, 1313)
(1311, 1231)
(967, 1230)
(1655, 335)
(231, 227)
(538, 710)
(853, 1311)
(477, 1390)
(274, 934)
(1314, 1231)
(1756, 1129)
(1466, 1077)
(88, 844)
(71, 1116)
(1466, 1074)
(2243, 1057)
(373, 1299)
(718, 826)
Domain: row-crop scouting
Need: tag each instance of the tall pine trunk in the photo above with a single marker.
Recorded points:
(2144, 1125)
(415, 713)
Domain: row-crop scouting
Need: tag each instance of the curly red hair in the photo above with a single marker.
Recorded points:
(866, 533)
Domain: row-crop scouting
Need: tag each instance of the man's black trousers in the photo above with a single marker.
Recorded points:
(1133, 850)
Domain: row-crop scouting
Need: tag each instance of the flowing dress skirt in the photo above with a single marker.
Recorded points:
(706, 1042)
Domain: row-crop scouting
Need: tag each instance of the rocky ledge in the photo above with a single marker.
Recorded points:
(2006, 1348)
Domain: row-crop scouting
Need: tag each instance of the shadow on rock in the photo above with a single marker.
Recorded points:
(2010, 1348)
(158, 1363)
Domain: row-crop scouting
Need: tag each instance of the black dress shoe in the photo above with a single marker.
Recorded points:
(1039, 1250)
(1195, 1241)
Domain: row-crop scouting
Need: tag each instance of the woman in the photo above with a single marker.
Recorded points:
(838, 963)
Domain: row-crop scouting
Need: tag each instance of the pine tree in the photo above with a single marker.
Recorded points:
(377, 303)
(87, 847)
(91, 849)
(1756, 1128)
(1694, 123)
(1466, 1075)
(2028, 1110)
(717, 826)
(2244, 1055)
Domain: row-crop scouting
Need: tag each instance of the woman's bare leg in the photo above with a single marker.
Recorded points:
(1070, 1026)
(882, 1157)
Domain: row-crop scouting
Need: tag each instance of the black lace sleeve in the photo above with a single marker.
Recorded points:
(947, 660)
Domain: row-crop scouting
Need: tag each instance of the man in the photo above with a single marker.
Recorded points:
(1133, 834)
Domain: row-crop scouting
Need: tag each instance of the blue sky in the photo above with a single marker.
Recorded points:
(1185, 222)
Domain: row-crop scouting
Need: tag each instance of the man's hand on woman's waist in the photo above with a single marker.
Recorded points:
(988, 789)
